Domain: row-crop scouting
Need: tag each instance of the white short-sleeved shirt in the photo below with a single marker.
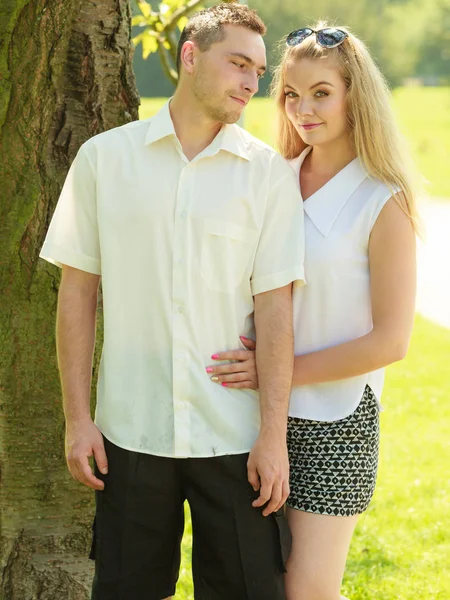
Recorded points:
(182, 248)
(335, 306)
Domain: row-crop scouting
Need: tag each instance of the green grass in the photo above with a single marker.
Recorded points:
(401, 547)
(423, 115)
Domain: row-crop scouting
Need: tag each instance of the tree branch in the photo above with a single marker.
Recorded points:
(169, 72)
(170, 37)
(183, 11)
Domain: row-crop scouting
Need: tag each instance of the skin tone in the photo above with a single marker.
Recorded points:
(315, 95)
(214, 88)
(75, 339)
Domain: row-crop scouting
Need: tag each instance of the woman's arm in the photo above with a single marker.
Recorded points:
(392, 263)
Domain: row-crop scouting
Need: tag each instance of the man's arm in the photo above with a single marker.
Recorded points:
(268, 465)
(75, 339)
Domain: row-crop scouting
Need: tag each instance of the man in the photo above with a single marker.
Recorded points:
(193, 226)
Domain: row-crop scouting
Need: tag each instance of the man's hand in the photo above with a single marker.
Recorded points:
(268, 471)
(83, 440)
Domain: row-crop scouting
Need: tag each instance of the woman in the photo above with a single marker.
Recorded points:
(355, 315)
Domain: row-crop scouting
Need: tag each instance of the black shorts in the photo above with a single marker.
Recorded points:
(237, 553)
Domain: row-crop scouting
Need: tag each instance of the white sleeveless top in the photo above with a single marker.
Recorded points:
(335, 306)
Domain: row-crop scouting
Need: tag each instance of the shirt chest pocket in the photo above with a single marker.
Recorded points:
(227, 254)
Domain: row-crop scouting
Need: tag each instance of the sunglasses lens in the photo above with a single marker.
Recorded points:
(331, 37)
(296, 37)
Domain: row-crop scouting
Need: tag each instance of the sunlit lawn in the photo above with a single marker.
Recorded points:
(401, 547)
(423, 114)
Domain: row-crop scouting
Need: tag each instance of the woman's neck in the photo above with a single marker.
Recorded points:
(327, 160)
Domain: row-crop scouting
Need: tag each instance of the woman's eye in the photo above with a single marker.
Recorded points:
(290, 94)
(320, 94)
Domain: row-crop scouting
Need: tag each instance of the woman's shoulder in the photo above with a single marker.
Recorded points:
(377, 194)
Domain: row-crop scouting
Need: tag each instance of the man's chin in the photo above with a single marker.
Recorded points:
(232, 118)
(227, 118)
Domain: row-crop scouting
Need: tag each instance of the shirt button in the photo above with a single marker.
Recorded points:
(179, 261)
(180, 309)
(183, 214)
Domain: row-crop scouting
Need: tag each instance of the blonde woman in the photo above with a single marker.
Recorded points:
(355, 315)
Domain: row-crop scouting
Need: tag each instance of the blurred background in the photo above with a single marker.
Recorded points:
(409, 38)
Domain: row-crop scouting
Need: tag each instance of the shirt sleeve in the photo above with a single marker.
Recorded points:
(280, 255)
(72, 238)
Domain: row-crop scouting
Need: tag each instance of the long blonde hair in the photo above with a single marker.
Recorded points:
(374, 133)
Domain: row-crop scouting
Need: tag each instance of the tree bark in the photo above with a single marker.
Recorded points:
(65, 75)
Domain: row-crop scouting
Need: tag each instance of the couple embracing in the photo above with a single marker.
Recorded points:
(251, 301)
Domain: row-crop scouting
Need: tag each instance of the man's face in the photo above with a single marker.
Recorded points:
(226, 76)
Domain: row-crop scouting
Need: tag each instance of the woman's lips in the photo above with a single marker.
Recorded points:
(311, 126)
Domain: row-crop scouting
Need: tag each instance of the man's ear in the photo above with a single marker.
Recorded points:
(188, 55)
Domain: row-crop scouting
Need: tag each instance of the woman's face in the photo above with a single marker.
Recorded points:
(315, 100)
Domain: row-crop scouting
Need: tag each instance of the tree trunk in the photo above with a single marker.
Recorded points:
(65, 75)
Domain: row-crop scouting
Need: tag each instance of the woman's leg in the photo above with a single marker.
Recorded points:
(320, 546)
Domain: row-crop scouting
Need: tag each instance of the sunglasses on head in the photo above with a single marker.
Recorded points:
(327, 38)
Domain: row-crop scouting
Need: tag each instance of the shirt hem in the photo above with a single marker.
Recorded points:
(299, 414)
(167, 455)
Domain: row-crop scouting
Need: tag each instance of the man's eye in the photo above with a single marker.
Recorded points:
(240, 65)
(260, 75)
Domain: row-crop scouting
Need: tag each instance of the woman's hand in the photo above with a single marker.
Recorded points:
(238, 374)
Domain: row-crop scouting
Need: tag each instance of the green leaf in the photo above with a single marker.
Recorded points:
(149, 45)
(138, 20)
(145, 7)
(138, 39)
(163, 8)
(174, 4)
(182, 23)
(165, 13)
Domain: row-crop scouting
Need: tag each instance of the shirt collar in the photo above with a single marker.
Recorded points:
(229, 138)
(324, 206)
(161, 126)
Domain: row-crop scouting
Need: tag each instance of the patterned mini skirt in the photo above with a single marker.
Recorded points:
(333, 465)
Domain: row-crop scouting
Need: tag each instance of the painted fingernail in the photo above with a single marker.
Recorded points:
(243, 338)
(215, 356)
(214, 378)
(225, 384)
(209, 369)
